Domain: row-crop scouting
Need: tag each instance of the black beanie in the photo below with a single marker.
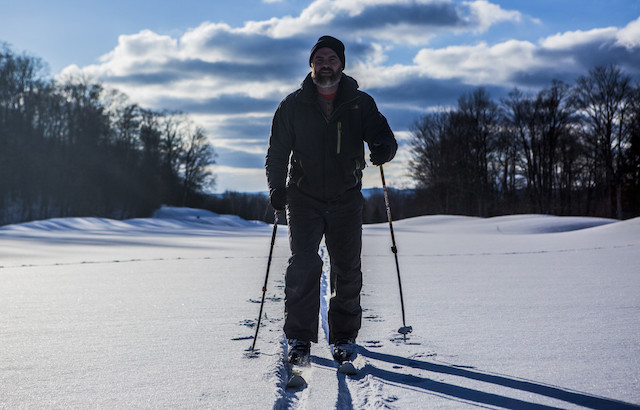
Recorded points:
(332, 43)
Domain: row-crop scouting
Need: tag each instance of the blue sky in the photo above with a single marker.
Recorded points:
(228, 64)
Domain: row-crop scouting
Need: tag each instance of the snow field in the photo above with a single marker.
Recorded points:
(524, 311)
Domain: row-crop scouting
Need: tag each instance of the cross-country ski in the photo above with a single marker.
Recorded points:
(347, 368)
(296, 379)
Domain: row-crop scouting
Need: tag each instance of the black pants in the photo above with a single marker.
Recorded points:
(340, 223)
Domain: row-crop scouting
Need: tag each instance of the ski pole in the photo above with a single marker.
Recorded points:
(266, 278)
(404, 329)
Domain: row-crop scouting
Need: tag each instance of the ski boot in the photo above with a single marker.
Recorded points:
(299, 352)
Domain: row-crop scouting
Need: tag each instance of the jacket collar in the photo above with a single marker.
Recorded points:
(346, 90)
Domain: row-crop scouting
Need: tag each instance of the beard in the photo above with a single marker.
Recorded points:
(326, 77)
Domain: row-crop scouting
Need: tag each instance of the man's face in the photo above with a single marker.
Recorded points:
(326, 67)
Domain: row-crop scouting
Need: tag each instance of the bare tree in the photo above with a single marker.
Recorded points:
(197, 156)
(603, 98)
(479, 122)
(430, 164)
(554, 119)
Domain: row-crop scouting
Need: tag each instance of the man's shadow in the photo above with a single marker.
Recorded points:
(467, 394)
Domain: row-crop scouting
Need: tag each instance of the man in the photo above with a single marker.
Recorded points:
(317, 135)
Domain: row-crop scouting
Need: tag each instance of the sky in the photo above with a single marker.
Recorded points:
(229, 64)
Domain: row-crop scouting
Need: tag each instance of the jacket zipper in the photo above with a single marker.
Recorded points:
(335, 112)
(339, 136)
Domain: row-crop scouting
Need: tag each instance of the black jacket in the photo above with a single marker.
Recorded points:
(327, 153)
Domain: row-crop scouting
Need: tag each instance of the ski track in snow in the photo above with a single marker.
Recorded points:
(538, 252)
(439, 255)
(348, 392)
(132, 260)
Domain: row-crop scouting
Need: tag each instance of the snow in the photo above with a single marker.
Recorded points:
(524, 311)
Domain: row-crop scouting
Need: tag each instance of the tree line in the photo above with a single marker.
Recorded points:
(74, 148)
(565, 150)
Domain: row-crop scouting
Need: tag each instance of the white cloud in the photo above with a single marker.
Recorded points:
(146, 48)
(502, 63)
(572, 39)
(395, 21)
(138, 53)
(480, 63)
(197, 42)
(630, 35)
(486, 14)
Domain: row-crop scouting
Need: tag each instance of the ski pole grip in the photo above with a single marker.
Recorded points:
(394, 249)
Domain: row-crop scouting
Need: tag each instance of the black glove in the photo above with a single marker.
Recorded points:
(380, 154)
(278, 198)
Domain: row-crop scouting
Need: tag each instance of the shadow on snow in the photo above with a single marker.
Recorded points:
(478, 396)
